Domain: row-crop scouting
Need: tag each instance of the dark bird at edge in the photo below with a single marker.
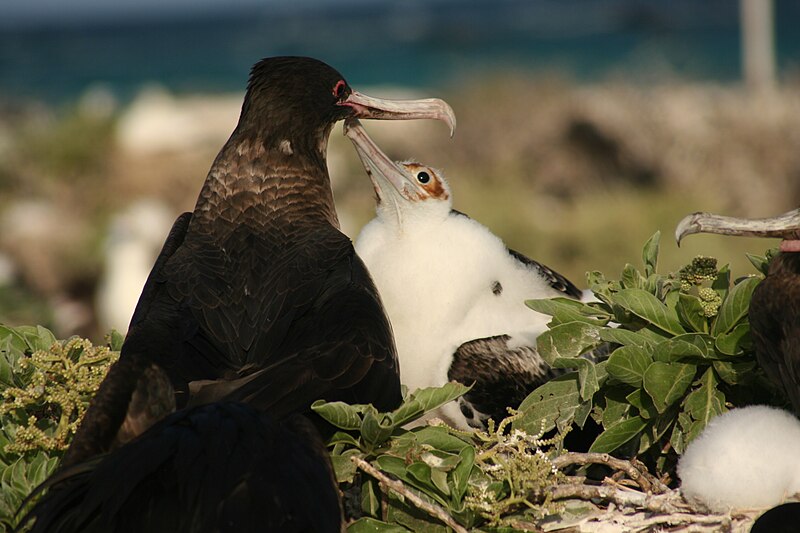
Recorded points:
(256, 307)
(775, 305)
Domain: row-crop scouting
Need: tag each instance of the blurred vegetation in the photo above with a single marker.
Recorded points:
(573, 175)
(45, 386)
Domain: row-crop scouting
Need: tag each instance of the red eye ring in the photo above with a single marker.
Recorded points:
(338, 89)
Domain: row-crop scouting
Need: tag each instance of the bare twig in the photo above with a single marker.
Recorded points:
(644, 479)
(661, 503)
(388, 483)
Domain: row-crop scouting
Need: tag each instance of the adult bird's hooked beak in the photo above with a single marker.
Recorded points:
(379, 108)
(785, 226)
(389, 180)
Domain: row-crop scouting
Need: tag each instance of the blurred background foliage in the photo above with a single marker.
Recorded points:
(583, 128)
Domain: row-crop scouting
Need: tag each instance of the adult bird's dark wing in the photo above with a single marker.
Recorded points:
(212, 469)
(500, 376)
(775, 324)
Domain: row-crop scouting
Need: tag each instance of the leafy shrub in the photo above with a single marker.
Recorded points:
(46, 386)
(680, 354)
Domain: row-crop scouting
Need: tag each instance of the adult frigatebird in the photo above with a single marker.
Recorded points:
(775, 305)
(454, 293)
(257, 297)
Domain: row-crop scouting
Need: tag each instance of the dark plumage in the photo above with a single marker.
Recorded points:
(257, 297)
(775, 306)
(216, 468)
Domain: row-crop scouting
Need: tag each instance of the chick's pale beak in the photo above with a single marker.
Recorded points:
(785, 226)
(381, 170)
(380, 108)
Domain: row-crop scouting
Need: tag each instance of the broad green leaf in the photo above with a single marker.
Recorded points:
(587, 377)
(371, 525)
(641, 401)
(703, 341)
(567, 340)
(690, 311)
(343, 467)
(340, 437)
(617, 435)
(735, 342)
(115, 340)
(461, 473)
(632, 278)
(624, 337)
(16, 339)
(376, 427)
(666, 382)
(616, 407)
(555, 401)
(760, 262)
(735, 306)
(676, 350)
(704, 403)
(735, 373)
(646, 306)
(370, 500)
(564, 310)
(650, 254)
(723, 282)
(430, 398)
(340, 414)
(438, 438)
(677, 439)
(628, 364)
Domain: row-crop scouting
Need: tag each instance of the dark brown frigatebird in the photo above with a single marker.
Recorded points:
(256, 306)
(257, 297)
(775, 305)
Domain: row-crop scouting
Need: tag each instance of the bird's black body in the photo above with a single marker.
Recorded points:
(775, 324)
(257, 296)
(211, 469)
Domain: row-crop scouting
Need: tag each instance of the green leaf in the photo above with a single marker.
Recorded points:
(554, 402)
(616, 407)
(370, 501)
(650, 254)
(760, 262)
(371, 525)
(704, 403)
(343, 467)
(427, 399)
(376, 427)
(564, 310)
(617, 435)
(438, 438)
(340, 414)
(115, 340)
(676, 350)
(735, 306)
(723, 282)
(641, 401)
(625, 337)
(666, 382)
(735, 373)
(736, 342)
(461, 473)
(632, 278)
(646, 306)
(567, 341)
(690, 311)
(628, 364)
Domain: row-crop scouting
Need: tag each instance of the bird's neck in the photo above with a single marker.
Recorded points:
(786, 264)
(257, 181)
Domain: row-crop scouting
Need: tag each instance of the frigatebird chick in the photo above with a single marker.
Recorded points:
(257, 297)
(775, 306)
(216, 468)
(455, 294)
(744, 459)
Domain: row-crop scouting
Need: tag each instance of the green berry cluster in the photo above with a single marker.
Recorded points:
(700, 270)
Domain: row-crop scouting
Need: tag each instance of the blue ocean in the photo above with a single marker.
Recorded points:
(418, 44)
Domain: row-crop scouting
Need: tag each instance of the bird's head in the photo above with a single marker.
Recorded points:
(785, 226)
(399, 187)
(298, 98)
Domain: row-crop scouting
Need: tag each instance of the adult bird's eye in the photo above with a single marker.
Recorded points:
(423, 177)
(338, 89)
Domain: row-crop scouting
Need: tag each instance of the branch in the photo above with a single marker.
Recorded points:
(662, 503)
(644, 479)
(397, 486)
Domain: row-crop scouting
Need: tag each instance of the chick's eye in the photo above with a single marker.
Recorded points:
(339, 88)
(423, 177)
